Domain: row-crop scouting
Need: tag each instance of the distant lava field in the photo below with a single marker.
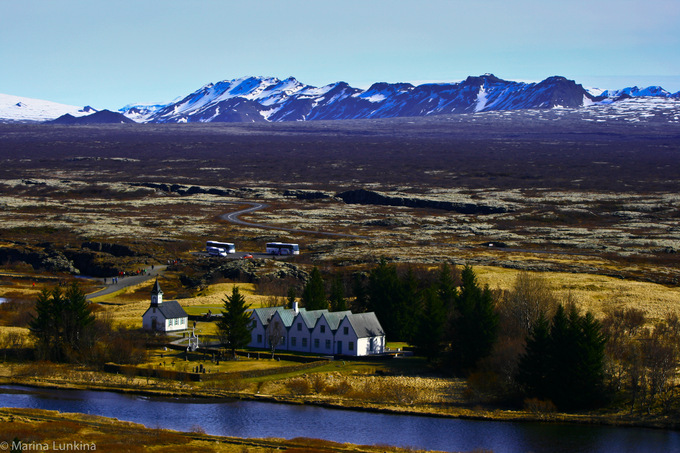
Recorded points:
(503, 150)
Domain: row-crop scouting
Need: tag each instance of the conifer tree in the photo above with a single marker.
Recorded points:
(565, 363)
(385, 299)
(534, 368)
(446, 287)
(430, 325)
(337, 296)
(60, 323)
(474, 327)
(314, 293)
(291, 296)
(234, 326)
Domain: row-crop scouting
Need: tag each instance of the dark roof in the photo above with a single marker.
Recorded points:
(366, 325)
(172, 309)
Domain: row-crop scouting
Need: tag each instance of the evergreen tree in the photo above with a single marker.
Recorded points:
(234, 326)
(314, 294)
(446, 287)
(60, 323)
(430, 325)
(408, 305)
(291, 297)
(590, 377)
(474, 326)
(337, 295)
(384, 298)
(565, 363)
(360, 302)
(534, 368)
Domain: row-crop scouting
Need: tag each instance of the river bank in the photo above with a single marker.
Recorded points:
(460, 410)
(59, 431)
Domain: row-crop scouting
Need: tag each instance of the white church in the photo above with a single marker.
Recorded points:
(164, 316)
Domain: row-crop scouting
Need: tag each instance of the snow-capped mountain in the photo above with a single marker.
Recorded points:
(253, 99)
(16, 108)
(260, 99)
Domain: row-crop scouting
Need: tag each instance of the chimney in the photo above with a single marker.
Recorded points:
(296, 309)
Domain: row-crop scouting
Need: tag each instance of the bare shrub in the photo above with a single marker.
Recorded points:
(197, 429)
(318, 383)
(483, 383)
(299, 386)
(230, 383)
(382, 391)
(530, 296)
(341, 388)
(539, 407)
(17, 313)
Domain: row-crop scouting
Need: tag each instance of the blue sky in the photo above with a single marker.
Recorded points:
(108, 53)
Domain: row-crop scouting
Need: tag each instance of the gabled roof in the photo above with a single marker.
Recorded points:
(287, 316)
(311, 317)
(264, 314)
(365, 325)
(334, 318)
(170, 309)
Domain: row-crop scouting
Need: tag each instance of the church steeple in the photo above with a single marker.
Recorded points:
(156, 295)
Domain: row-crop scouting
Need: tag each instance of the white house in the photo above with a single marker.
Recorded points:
(317, 331)
(360, 334)
(164, 316)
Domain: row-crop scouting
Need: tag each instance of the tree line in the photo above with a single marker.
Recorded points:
(519, 344)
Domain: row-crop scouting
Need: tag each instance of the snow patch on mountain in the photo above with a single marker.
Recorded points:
(17, 108)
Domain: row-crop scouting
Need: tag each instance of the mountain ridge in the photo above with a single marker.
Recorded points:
(260, 99)
(269, 99)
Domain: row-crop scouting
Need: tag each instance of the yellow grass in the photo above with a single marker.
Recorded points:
(595, 293)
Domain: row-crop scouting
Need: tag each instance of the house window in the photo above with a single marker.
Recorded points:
(328, 344)
(299, 327)
(259, 338)
(304, 342)
(293, 341)
(254, 324)
(350, 346)
(345, 330)
(323, 329)
(316, 342)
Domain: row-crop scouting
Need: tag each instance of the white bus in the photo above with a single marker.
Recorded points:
(216, 251)
(227, 246)
(282, 248)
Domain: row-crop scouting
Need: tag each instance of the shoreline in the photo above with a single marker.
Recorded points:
(445, 411)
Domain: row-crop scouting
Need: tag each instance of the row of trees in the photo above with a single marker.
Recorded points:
(564, 360)
(466, 328)
(65, 329)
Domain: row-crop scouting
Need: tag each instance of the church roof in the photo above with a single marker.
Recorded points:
(171, 309)
(156, 288)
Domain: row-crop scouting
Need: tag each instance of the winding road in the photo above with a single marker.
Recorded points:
(124, 282)
(234, 217)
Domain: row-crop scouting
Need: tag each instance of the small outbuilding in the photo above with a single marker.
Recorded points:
(164, 316)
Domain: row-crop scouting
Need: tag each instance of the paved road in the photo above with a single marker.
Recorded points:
(124, 282)
(234, 217)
